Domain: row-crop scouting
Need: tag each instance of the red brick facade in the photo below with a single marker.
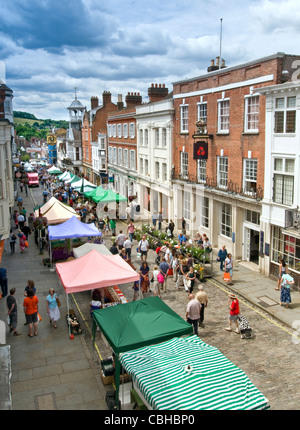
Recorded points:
(237, 142)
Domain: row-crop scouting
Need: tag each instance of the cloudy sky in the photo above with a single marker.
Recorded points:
(48, 47)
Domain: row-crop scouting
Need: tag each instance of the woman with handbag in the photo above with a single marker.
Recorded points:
(154, 279)
(190, 279)
(229, 267)
(53, 304)
(22, 239)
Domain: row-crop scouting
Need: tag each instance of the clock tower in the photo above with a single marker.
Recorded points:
(76, 111)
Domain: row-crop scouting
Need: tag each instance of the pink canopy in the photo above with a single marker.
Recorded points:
(94, 270)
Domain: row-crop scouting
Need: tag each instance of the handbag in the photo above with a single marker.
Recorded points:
(226, 276)
(58, 302)
(170, 272)
(160, 278)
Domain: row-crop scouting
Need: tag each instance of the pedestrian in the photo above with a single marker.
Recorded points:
(171, 228)
(183, 225)
(190, 279)
(12, 241)
(26, 230)
(175, 264)
(30, 305)
(120, 240)
(53, 307)
(154, 219)
(222, 255)
(160, 218)
(101, 225)
(113, 224)
(229, 267)
(3, 281)
(184, 269)
(15, 218)
(24, 212)
(20, 203)
(202, 298)
(180, 273)
(113, 249)
(282, 271)
(45, 195)
(128, 246)
(181, 239)
(22, 240)
(285, 294)
(144, 276)
(29, 286)
(124, 255)
(136, 290)
(164, 269)
(193, 312)
(21, 186)
(156, 284)
(234, 310)
(21, 219)
(12, 312)
(31, 221)
(143, 248)
(26, 189)
(131, 230)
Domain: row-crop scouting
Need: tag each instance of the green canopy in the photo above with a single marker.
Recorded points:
(139, 323)
(74, 179)
(110, 196)
(136, 324)
(188, 374)
(55, 172)
(96, 194)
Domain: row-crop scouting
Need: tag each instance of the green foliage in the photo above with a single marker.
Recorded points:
(27, 125)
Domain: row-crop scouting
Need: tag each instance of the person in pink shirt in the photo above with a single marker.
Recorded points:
(130, 230)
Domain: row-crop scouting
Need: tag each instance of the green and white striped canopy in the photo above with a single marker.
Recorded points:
(188, 374)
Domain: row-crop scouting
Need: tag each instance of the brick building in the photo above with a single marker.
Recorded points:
(122, 146)
(94, 157)
(218, 151)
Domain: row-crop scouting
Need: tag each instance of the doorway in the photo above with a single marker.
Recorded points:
(251, 245)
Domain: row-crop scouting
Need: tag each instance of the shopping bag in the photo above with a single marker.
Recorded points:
(26, 244)
(170, 272)
(39, 318)
(160, 278)
(226, 276)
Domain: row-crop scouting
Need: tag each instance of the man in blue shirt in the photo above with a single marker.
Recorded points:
(181, 239)
(3, 281)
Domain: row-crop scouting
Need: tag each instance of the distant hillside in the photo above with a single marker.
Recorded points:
(27, 125)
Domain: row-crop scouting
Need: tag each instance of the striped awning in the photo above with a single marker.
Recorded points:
(188, 374)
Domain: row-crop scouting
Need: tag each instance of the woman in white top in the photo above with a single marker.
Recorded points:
(229, 267)
(156, 284)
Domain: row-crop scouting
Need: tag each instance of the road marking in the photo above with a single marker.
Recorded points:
(255, 310)
(85, 321)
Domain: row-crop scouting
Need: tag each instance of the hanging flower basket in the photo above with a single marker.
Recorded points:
(40, 222)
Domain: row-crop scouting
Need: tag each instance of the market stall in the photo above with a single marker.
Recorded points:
(188, 374)
(71, 229)
(93, 271)
(137, 324)
(54, 171)
(56, 212)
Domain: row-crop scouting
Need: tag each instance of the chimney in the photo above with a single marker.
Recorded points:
(157, 92)
(218, 61)
(94, 102)
(133, 99)
(106, 97)
(120, 103)
(212, 66)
